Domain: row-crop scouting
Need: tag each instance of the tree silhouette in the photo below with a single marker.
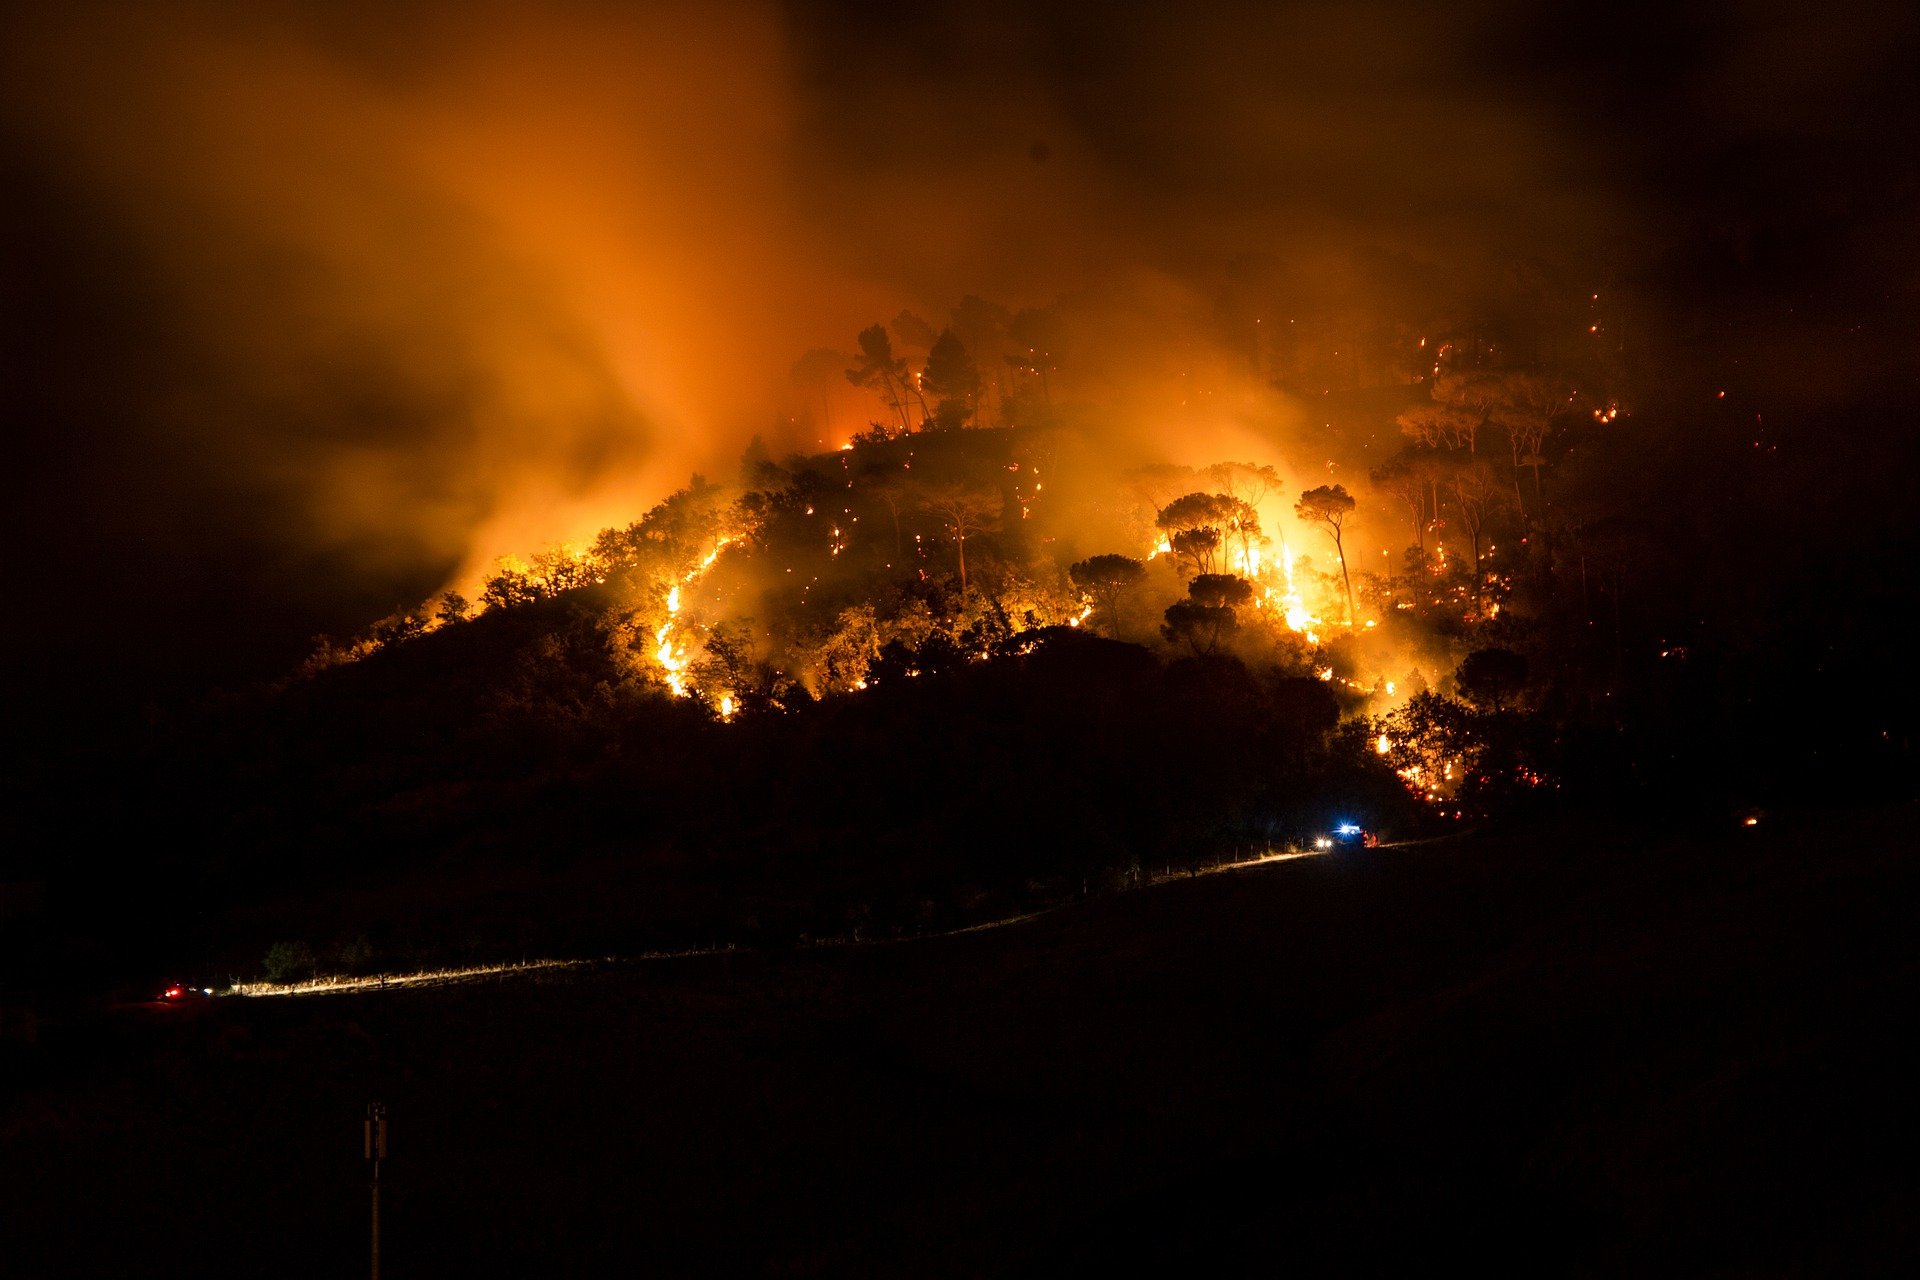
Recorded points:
(1197, 547)
(1491, 677)
(1329, 506)
(1477, 496)
(953, 381)
(1220, 590)
(1035, 350)
(1529, 404)
(882, 371)
(1248, 485)
(982, 326)
(965, 512)
(1407, 477)
(1201, 626)
(883, 481)
(1193, 525)
(1208, 615)
(1106, 578)
(1243, 480)
(1440, 426)
(913, 331)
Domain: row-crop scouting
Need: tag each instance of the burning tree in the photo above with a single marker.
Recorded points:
(1247, 486)
(551, 572)
(1329, 506)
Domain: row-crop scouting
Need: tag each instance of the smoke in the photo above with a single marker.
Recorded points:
(344, 300)
(483, 286)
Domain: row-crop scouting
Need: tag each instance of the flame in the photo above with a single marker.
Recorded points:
(673, 657)
(1293, 608)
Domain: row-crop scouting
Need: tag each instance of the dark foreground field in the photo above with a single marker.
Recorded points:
(1593, 1054)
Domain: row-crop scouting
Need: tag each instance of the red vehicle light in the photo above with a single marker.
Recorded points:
(173, 993)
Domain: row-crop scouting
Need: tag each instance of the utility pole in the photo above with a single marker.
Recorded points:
(376, 1148)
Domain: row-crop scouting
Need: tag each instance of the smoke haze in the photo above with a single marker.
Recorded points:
(313, 308)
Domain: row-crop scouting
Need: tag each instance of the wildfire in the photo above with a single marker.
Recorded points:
(1292, 607)
(672, 656)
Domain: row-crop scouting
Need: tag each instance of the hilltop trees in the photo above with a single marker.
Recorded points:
(881, 371)
(1034, 337)
(1441, 426)
(1522, 403)
(953, 380)
(983, 327)
(1329, 506)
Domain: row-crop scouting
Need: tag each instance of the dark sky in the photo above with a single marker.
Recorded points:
(308, 305)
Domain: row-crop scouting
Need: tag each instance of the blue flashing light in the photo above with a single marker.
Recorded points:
(1348, 829)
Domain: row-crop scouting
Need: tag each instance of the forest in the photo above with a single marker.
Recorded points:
(974, 659)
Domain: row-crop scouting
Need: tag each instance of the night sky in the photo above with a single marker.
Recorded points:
(308, 307)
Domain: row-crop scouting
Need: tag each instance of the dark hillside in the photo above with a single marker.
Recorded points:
(1600, 1052)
